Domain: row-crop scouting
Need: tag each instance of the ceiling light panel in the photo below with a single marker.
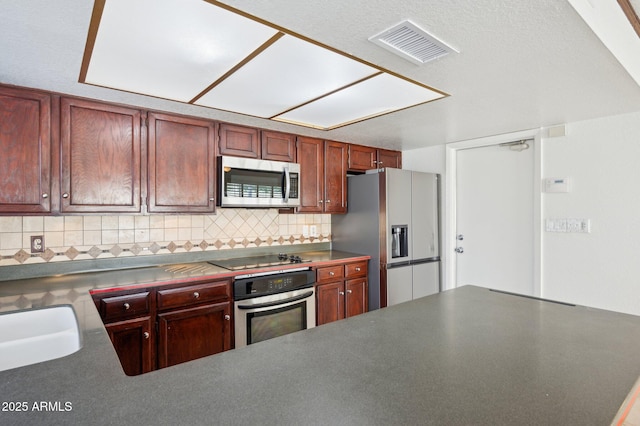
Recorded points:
(287, 74)
(169, 48)
(379, 95)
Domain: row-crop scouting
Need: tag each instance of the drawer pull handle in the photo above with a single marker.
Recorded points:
(227, 317)
(126, 306)
(146, 335)
(196, 294)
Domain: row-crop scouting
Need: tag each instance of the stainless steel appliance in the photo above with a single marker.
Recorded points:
(393, 217)
(249, 182)
(272, 304)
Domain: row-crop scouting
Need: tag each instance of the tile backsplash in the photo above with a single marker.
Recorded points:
(73, 238)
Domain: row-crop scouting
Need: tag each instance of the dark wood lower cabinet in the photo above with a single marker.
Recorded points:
(330, 302)
(342, 291)
(133, 340)
(160, 326)
(187, 334)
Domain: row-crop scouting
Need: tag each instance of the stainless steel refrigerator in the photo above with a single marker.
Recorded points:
(393, 216)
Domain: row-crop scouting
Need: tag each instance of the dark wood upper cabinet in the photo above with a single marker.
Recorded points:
(181, 160)
(387, 158)
(278, 146)
(25, 151)
(239, 141)
(310, 155)
(335, 177)
(100, 157)
(362, 158)
(323, 175)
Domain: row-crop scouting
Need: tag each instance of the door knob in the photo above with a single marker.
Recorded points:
(459, 250)
(460, 237)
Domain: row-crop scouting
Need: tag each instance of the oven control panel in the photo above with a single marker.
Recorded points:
(280, 282)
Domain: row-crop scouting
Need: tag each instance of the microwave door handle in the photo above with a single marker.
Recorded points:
(287, 185)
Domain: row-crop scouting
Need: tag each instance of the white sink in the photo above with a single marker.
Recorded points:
(37, 335)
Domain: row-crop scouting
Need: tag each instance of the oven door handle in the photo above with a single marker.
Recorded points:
(277, 302)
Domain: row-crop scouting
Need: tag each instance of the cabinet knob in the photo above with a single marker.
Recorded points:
(328, 201)
(357, 269)
(349, 291)
(45, 195)
(341, 293)
(331, 273)
(212, 199)
(126, 306)
(196, 294)
(321, 201)
(227, 317)
(146, 335)
(65, 195)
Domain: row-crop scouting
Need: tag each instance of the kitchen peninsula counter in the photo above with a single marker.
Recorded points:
(463, 356)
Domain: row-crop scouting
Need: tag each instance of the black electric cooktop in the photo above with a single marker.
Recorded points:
(254, 262)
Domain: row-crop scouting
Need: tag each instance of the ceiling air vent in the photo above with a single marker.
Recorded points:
(411, 42)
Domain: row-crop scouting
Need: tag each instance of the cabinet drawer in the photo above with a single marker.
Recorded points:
(120, 307)
(193, 294)
(330, 273)
(358, 269)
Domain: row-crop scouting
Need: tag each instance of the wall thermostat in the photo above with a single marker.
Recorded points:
(557, 184)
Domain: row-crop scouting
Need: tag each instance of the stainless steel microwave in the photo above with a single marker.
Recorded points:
(248, 182)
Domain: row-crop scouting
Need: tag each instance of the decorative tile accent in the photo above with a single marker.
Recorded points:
(21, 256)
(75, 238)
(94, 252)
(72, 253)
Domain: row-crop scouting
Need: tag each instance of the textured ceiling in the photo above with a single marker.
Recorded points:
(521, 65)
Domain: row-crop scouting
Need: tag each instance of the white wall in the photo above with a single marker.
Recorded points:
(600, 269)
(602, 156)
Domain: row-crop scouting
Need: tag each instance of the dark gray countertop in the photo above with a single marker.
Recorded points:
(464, 356)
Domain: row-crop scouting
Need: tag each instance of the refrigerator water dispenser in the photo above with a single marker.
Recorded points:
(399, 241)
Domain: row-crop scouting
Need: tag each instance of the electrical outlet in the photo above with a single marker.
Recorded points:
(37, 243)
(313, 230)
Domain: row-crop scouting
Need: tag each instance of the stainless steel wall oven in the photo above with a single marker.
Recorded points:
(272, 304)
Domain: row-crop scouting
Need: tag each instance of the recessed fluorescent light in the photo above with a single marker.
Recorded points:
(210, 54)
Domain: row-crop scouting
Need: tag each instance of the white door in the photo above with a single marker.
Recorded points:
(494, 218)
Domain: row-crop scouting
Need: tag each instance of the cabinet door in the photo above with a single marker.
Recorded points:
(330, 302)
(133, 341)
(181, 164)
(388, 158)
(362, 158)
(356, 297)
(239, 141)
(335, 177)
(310, 155)
(100, 157)
(25, 150)
(278, 146)
(188, 334)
